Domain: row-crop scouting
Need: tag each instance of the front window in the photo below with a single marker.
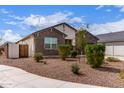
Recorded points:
(50, 42)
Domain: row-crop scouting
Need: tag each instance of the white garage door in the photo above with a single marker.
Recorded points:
(115, 49)
(109, 49)
(119, 49)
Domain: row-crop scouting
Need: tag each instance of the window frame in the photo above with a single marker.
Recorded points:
(51, 44)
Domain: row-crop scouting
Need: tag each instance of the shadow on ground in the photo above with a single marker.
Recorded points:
(109, 69)
(72, 59)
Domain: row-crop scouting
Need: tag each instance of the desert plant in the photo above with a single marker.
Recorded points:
(64, 50)
(73, 53)
(0, 52)
(75, 68)
(122, 74)
(95, 55)
(81, 40)
(38, 56)
(112, 59)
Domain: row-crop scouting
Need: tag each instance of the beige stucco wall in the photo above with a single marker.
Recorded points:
(13, 51)
(115, 49)
(68, 31)
(30, 42)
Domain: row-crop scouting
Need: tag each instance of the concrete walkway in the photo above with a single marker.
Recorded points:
(12, 77)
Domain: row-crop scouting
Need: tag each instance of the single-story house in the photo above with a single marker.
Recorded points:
(114, 44)
(46, 40)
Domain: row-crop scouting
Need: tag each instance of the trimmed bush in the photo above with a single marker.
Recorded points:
(38, 56)
(64, 50)
(112, 59)
(75, 68)
(95, 55)
(73, 53)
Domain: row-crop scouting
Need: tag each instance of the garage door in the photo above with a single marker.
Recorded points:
(109, 49)
(115, 49)
(119, 49)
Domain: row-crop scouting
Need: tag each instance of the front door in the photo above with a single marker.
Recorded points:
(23, 51)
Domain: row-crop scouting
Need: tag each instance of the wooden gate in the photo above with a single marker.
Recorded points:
(23, 51)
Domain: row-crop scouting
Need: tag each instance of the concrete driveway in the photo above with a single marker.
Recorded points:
(12, 77)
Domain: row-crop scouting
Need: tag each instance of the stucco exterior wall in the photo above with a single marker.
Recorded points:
(68, 31)
(13, 51)
(6, 50)
(30, 42)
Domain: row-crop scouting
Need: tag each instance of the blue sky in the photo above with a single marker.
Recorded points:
(19, 21)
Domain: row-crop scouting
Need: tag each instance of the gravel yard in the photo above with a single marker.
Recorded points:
(107, 75)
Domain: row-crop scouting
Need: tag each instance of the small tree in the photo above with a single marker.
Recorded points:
(81, 40)
(64, 50)
(95, 55)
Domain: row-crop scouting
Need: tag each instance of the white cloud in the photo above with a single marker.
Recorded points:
(40, 21)
(108, 10)
(76, 20)
(4, 11)
(107, 27)
(121, 7)
(11, 23)
(9, 35)
(99, 7)
(118, 16)
(17, 17)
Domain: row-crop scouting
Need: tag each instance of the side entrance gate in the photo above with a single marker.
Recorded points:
(23, 51)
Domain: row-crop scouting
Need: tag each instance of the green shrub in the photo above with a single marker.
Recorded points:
(64, 50)
(0, 52)
(38, 56)
(75, 68)
(95, 55)
(1, 49)
(73, 53)
(122, 74)
(112, 59)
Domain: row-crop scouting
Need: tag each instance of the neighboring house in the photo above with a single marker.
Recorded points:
(47, 40)
(114, 43)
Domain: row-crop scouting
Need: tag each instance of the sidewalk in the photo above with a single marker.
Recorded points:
(12, 77)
